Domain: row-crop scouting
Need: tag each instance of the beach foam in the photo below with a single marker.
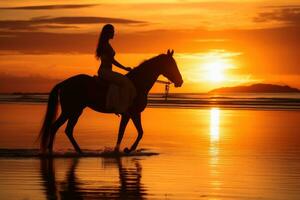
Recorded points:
(30, 153)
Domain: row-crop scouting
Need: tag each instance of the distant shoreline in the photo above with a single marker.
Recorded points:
(271, 101)
(256, 88)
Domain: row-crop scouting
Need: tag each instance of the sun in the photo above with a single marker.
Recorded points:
(215, 69)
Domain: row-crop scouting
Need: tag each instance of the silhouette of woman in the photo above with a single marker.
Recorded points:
(116, 102)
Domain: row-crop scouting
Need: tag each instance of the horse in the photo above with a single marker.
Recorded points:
(81, 91)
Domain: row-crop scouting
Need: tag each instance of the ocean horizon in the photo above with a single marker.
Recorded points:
(290, 101)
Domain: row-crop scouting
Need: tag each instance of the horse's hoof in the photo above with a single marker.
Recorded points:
(116, 151)
(45, 154)
(126, 150)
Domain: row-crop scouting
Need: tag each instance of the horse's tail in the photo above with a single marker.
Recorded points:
(50, 117)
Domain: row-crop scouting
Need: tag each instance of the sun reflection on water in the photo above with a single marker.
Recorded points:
(214, 125)
(214, 148)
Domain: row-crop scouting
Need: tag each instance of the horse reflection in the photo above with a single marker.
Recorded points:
(48, 177)
(129, 187)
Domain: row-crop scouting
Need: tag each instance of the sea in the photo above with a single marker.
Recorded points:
(195, 146)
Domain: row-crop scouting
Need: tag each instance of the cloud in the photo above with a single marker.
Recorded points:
(282, 6)
(133, 42)
(268, 50)
(47, 43)
(49, 7)
(85, 20)
(287, 15)
(211, 5)
(60, 22)
(34, 83)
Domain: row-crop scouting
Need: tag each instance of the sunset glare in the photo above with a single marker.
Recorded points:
(216, 70)
(43, 43)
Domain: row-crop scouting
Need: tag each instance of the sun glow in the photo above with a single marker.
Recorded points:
(216, 67)
(216, 71)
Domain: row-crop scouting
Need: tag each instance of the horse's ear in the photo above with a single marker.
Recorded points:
(171, 52)
(168, 52)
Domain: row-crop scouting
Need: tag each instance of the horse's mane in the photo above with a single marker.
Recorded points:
(146, 63)
(150, 61)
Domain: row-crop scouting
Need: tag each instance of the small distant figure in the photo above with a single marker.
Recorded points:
(167, 88)
(122, 92)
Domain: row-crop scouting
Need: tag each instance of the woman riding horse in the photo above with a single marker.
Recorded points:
(78, 92)
(118, 103)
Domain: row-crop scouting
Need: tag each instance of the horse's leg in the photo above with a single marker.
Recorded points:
(136, 118)
(122, 127)
(69, 130)
(58, 123)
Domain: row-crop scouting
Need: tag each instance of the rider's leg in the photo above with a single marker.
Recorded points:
(125, 92)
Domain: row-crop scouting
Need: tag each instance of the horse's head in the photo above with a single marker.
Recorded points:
(170, 69)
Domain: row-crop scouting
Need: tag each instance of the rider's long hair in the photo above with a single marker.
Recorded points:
(103, 37)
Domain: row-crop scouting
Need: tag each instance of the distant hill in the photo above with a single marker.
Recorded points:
(256, 88)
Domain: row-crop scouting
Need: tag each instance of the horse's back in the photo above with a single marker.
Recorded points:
(84, 82)
(78, 79)
(83, 90)
(76, 84)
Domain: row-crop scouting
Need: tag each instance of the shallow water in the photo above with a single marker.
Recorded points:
(204, 154)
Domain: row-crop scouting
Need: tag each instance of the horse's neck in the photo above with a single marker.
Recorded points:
(150, 80)
(144, 79)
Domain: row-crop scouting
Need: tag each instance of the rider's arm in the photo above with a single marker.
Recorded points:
(116, 63)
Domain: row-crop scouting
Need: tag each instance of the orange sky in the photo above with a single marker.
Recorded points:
(216, 44)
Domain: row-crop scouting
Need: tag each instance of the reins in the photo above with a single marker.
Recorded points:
(167, 86)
